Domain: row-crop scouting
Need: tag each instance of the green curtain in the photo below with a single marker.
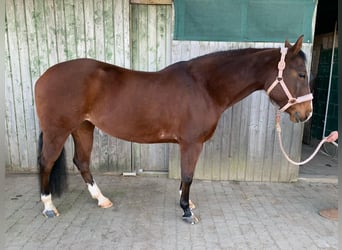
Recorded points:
(244, 20)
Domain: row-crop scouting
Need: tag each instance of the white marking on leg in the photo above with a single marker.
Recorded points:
(48, 205)
(96, 193)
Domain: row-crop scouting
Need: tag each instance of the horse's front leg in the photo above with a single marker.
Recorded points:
(191, 203)
(189, 157)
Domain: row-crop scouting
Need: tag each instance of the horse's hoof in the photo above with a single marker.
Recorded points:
(106, 204)
(191, 220)
(50, 214)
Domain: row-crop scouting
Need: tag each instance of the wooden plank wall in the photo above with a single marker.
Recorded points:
(41, 33)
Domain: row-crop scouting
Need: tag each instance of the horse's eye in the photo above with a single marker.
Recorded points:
(301, 75)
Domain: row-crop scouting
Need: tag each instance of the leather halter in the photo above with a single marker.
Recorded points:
(279, 80)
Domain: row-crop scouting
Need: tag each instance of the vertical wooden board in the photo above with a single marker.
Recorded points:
(243, 140)
(136, 39)
(195, 49)
(176, 54)
(163, 42)
(152, 43)
(70, 29)
(14, 28)
(30, 74)
(278, 162)
(234, 141)
(10, 117)
(32, 18)
(269, 142)
(264, 131)
(69, 152)
(89, 29)
(80, 32)
(186, 51)
(257, 133)
(216, 162)
(51, 32)
(134, 35)
(295, 151)
(108, 30)
(124, 155)
(121, 29)
(225, 158)
(60, 31)
(174, 162)
(287, 140)
(106, 162)
(142, 40)
(99, 30)
(95, 154)
(253, 147)
(200, 170)
(126, 34)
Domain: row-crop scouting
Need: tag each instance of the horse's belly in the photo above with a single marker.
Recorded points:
(140, 131)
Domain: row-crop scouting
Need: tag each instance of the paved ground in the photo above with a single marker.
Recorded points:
(146, 215)
(322, 167)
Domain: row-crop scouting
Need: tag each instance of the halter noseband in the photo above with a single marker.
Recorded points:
(291, 100)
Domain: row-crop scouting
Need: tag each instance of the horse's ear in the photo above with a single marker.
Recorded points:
(287, 44)
(296, 47)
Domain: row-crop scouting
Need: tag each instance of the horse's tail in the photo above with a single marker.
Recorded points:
(58, 175)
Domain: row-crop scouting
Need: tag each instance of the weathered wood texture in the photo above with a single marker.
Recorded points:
(42, 33)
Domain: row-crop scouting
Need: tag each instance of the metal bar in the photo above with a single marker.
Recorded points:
(329, 86)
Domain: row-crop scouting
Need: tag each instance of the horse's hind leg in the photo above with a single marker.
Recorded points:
(52, 168)
(83, 140)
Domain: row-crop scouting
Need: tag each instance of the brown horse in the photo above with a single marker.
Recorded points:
(179, 104)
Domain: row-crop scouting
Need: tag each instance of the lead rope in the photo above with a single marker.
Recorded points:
(330, 138)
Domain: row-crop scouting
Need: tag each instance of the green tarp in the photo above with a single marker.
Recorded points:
(245, 20)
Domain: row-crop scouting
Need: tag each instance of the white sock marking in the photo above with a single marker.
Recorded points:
(95, 193)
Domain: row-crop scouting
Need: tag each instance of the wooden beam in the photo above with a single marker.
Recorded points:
(151, 1)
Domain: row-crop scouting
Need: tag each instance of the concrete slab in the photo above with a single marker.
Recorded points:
(322, 167)
(146, 215)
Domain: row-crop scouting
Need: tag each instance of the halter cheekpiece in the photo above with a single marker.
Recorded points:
(279, 80)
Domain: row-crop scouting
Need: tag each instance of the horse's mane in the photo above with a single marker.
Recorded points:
(239, 52)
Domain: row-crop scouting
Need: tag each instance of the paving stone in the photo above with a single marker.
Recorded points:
(146, 215)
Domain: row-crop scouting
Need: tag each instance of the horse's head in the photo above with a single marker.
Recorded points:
(291, 90)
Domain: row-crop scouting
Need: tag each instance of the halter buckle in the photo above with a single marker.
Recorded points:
(292, 101)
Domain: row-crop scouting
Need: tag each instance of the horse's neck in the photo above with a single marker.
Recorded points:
(231, 79)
